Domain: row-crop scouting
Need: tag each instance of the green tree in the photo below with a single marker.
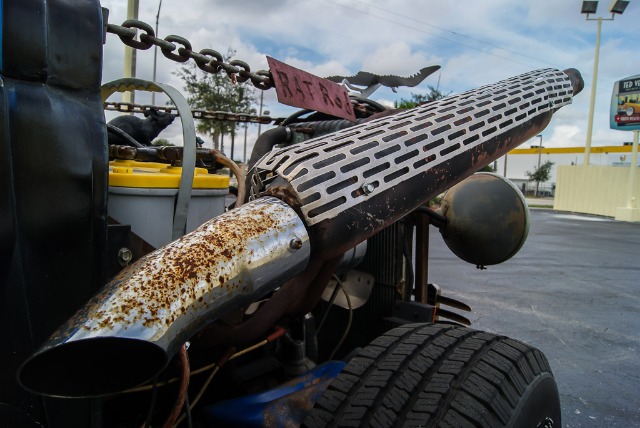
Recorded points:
(540, 174)
(216, 92)
(417, 99)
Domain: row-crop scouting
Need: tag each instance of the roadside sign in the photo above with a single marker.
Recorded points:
(620, 159)
(625, 104)
(297, 88)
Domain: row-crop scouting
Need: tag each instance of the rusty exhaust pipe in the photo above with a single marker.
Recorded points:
(353, 183)
(128, 332)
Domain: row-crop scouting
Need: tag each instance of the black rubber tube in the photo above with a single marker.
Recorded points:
(266, 141)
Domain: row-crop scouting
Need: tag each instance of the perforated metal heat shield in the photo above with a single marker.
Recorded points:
(351, 184)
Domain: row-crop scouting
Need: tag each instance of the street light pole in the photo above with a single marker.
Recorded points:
(631, 210)
(631, 199)
(505, 165)
(130, 53)
(244, 153)
(155, 55)
(260, 113)
(592, 103)
(589, 7)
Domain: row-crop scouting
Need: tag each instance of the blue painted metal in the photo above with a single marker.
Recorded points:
(282, 406)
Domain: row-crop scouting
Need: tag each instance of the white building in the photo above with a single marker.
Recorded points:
(515, 165)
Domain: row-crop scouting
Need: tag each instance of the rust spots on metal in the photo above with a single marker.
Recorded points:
(169, 281)
(286, 194)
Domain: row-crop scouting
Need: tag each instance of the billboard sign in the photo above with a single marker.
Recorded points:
(625, 104)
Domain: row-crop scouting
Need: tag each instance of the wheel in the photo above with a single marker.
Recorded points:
(630, 111)
(441, 375)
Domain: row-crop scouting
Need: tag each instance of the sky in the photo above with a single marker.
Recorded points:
(475, 43)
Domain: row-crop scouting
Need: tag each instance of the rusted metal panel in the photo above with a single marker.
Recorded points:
(298, 88)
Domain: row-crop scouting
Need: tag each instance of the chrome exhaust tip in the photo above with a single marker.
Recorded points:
(128, 332)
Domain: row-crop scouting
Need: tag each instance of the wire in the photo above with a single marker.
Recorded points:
(466, 36)
(349, 321)
(279, 331)
(188, 411)
(200, 394)
(455, 33)
(215, 367)
(184, 388)
(234, 356)
(226, 357)
(437, 219)
(427, 32)
(242, 188)
(154, 396)
(334, 294)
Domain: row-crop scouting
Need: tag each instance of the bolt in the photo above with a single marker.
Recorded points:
(124, 256)
(295, 244)
(368, 188)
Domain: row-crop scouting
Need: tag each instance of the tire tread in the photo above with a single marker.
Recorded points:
(430, 375)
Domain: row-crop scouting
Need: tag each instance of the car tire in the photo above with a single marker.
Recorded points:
(630, 111)
(441, 375)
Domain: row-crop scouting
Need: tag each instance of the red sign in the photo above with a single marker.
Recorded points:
(298, 88)
(635, 118)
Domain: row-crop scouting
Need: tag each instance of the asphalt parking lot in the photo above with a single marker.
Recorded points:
(573, 291)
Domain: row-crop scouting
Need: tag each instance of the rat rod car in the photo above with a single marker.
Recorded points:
(306, 302)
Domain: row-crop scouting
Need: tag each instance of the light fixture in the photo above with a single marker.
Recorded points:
(618, 6)
(589, 7)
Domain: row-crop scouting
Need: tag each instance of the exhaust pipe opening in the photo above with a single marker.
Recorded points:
(92, 367)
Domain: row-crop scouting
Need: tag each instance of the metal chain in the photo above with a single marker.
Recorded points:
(197, 114)
(179, 49)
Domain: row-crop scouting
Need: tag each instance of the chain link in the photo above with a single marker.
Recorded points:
(179, 49)
(197, 114)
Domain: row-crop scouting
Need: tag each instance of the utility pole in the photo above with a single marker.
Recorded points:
(130, 53)
(539, 158)
(155, 55)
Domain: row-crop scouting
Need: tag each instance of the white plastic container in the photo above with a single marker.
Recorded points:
(143, 195)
